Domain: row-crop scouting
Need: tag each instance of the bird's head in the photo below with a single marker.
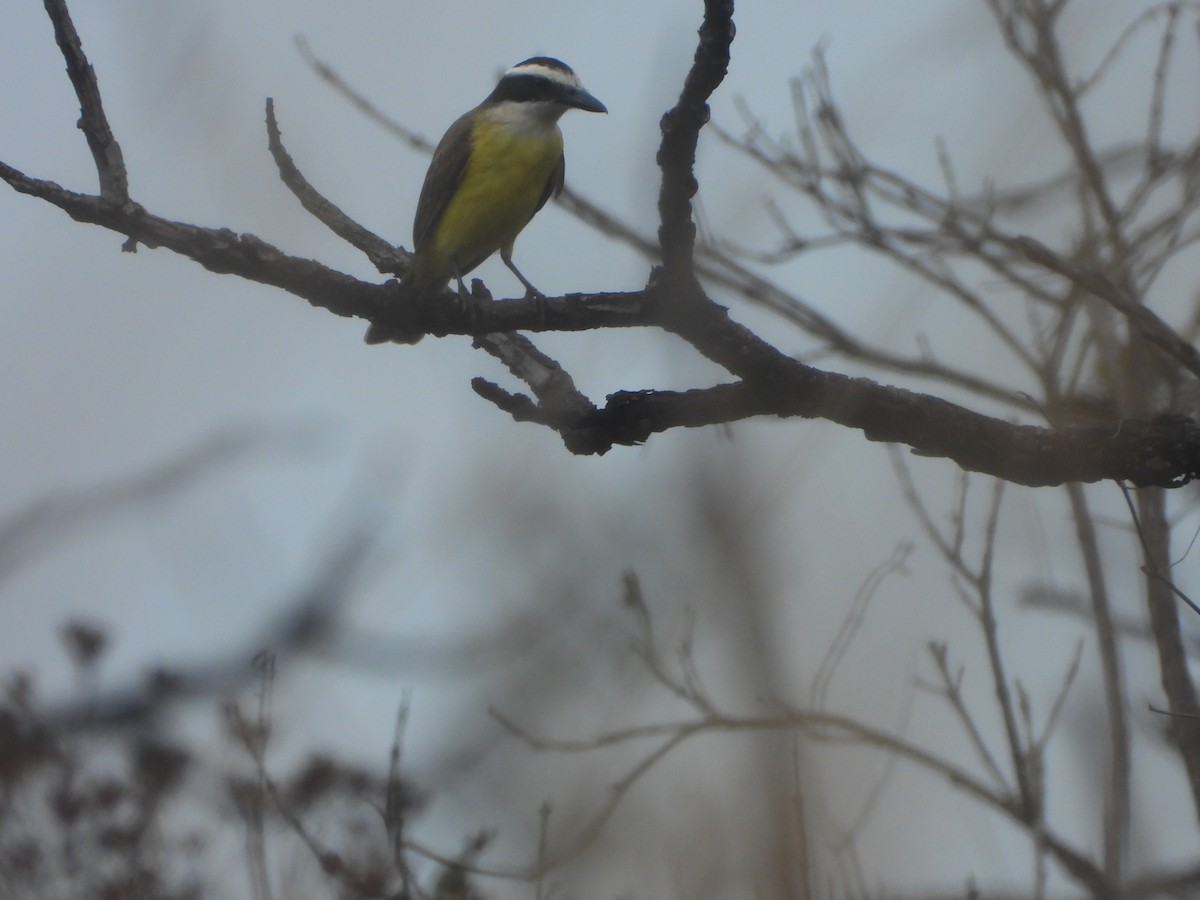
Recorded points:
(548, 83)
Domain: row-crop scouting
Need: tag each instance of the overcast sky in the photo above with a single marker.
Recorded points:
(112, 363)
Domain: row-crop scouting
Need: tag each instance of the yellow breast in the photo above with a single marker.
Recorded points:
(505, 179)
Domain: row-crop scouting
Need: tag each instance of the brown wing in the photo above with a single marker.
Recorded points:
(554, 184)
(441, 181)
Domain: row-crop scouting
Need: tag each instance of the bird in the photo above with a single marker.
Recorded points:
(492, 171)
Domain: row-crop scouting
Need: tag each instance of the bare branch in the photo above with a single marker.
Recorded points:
(110, 164)
(560, 405)
(1096, 283)
(1165, 451)
(1117, 823)
(681, 127)
(43, 524)
(369, 109)
(217, 249)
(820, 726)
(383, 255)
(950, 689)
(1154, 534)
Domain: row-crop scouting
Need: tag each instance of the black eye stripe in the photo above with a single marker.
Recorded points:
(524, 88)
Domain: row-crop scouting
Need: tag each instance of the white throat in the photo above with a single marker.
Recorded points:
(537, 118)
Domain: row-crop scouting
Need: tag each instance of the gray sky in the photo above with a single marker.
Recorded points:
(115, 362)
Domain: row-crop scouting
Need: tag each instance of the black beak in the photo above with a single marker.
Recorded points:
(581, 99)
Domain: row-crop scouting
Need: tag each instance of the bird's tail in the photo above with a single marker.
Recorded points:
(379, 334)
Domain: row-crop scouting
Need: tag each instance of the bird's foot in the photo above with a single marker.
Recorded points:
(540, 303)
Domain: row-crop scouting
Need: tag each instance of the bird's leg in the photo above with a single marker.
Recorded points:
(531, 293)
(467, 301)
(530, 290)
(465, 305)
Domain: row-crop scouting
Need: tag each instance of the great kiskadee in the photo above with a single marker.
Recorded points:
(492, 171)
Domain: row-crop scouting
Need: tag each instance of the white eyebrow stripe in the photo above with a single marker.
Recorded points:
(558, 76)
